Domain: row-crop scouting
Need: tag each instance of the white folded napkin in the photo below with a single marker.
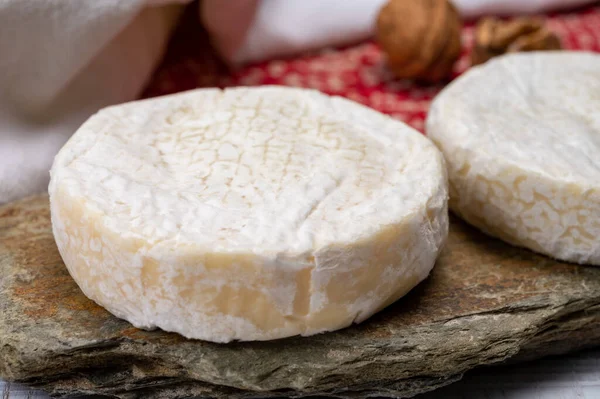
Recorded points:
(254, 30)
(60, 61)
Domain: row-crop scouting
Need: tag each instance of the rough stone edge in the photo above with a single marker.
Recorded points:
(552, 337)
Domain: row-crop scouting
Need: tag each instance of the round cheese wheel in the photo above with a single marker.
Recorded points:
(248, 213)
(521, 137)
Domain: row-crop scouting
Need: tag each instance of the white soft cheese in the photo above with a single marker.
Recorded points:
(249, 213)
(521, 137)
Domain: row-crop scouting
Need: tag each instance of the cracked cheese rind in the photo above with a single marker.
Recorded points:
(249, 213)
(521, 138)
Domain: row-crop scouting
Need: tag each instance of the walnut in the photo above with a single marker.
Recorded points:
(421, 38)
(494, 37)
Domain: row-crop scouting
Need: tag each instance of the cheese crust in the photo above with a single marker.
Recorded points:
(247, 213)
(521, 137)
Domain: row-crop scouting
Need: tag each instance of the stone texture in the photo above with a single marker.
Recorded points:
(485, 302)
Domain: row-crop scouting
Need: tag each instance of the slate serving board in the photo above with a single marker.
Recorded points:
(485, 302)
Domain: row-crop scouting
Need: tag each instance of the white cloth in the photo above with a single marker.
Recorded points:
(475, 8)
(61, 61)
(251, 30)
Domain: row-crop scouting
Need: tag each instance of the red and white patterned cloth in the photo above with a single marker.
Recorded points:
(357, 72)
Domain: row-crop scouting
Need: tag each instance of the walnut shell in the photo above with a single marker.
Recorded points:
(421, 39)
(494, 37)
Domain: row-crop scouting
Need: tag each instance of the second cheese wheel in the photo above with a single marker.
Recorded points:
(521, 136)
(248, 213)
